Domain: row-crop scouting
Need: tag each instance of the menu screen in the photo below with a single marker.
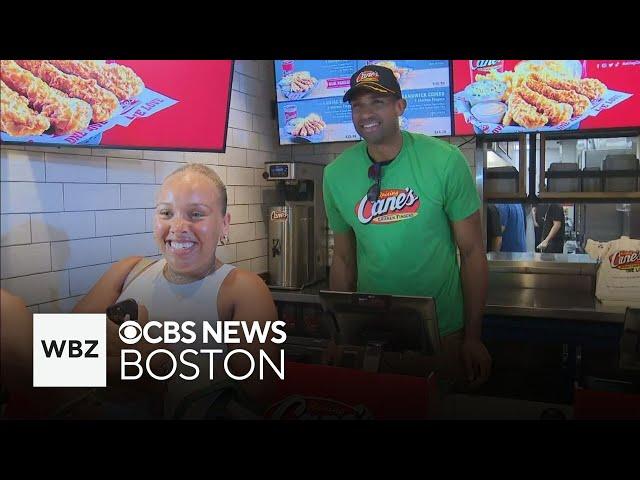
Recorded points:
(513, 96)
(310, 107)
(144, 104)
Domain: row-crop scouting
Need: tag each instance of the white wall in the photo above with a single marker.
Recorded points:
(69, 213)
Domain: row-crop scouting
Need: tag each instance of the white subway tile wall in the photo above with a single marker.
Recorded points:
(128, 245)
(54, 227)
(128, 170)
(20, 260)
(120, 222)
(68, 213)
(239, 213)
(16, 229)
(82, 279)
(21, 166)
(75, 168)
(80, 253)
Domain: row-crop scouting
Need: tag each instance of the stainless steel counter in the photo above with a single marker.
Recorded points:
(556, 272)
(306, 295)
(551, 263)
(515, 302)
(548, 303)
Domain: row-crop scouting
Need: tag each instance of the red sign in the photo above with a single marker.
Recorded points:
(145, 104)
(512, 96)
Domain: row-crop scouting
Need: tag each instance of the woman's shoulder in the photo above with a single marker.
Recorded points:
(244, 295)
(122, 269)
(240, 281)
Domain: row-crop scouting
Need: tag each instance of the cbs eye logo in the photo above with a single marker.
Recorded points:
(130, 332)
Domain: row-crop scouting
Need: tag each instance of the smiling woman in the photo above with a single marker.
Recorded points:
(190, 220)
(189, 283)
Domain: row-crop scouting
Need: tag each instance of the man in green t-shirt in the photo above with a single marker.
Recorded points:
(399, 204)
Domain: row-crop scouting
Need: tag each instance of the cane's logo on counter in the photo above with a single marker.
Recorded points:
(626, 260)
(297, 407)
(393, 205)
(279, 215)
(368, 76)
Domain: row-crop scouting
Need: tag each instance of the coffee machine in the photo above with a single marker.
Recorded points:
(297, 225)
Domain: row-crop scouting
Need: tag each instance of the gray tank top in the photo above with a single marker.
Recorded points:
(197, 301)
(165, 301)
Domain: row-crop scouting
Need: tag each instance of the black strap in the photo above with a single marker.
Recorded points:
(382, 164)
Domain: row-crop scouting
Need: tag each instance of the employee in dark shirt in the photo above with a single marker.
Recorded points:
(550, 218)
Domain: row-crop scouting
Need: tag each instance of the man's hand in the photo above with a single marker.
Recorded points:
(543, 246)
(477, 361)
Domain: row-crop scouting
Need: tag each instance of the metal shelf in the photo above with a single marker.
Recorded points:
(611, 196)
(543, 194)
(505, 196)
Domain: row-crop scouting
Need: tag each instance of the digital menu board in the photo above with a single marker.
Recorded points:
(513, 96)
(143, 104)
(310, 107)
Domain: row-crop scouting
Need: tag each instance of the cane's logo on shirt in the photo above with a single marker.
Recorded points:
(393, 205)
(626, 260)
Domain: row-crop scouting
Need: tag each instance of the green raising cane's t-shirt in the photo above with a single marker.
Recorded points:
(405, 243)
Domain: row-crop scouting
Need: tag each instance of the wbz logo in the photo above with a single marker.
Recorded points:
(75, 348)
(69, 350)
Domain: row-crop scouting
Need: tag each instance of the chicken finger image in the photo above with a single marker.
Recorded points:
(16, 118)
(104, 103)
(525, 114)
(316, 118)
(557, 112)
(506, 120)
(592, 88)
(589, 87)
(541, 85)
(120, 80)
(66, 114)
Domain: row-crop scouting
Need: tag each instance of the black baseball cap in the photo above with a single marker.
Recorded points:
(375, 78)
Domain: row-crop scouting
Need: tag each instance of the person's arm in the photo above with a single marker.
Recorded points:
(16, 341)
(107, 290)
(16, 363)
(475, 278)
(556, 214)
(494, 228)
(343, 273)
(252, 302)
(496, 244)
(473, 271)
(552, 234)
